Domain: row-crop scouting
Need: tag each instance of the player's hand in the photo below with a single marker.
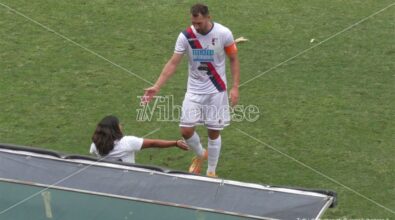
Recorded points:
(182, 145)
(149, 94)
(241, 40)
(234, 96)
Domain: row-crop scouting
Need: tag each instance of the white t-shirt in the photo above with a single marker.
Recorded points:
(213, 44)
(124, 149)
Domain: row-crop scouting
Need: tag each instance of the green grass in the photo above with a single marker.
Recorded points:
(331, 108)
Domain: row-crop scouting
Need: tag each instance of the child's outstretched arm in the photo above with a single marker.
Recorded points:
(158, 143)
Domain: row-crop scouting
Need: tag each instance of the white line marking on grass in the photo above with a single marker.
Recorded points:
(62, 180)
(75, 43)
(316, 45)
(316, 171)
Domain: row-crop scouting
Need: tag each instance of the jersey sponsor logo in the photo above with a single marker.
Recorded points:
(204, 68)
(202, 55)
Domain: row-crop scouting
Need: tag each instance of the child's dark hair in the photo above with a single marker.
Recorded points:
(107, 131)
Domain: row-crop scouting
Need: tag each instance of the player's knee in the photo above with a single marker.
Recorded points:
(213, 134)
(187, 132)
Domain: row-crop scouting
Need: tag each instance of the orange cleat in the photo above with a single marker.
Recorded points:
(212, 174)
(197, 162)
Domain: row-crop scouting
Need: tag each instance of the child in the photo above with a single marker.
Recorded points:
(109, 142)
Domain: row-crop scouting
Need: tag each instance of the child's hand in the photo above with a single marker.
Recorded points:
(182, 145)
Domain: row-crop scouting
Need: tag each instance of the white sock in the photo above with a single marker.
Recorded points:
(214, 148)
(194, 143)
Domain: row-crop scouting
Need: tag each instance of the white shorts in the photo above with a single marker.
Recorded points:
(212, 110)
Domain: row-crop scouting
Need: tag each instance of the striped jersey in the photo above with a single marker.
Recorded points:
(207, 58)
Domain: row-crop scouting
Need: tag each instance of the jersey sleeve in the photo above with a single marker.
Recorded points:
(181, 44)
(93, 149)
(228, 38)
(134, 143)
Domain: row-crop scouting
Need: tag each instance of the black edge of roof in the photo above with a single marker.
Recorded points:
(32, 149)
(87, 158)
(327, 192)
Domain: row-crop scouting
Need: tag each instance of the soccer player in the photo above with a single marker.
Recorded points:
(108, 141)
(207, 44)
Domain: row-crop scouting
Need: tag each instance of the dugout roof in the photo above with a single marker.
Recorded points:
(80, 183)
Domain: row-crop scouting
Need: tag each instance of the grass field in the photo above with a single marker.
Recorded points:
(331, 108)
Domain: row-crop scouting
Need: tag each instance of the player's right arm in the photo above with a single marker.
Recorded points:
(168, 70)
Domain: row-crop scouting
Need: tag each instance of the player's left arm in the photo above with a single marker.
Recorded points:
(231, 52)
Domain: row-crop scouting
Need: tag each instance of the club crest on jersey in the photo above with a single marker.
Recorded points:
(213, 40)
